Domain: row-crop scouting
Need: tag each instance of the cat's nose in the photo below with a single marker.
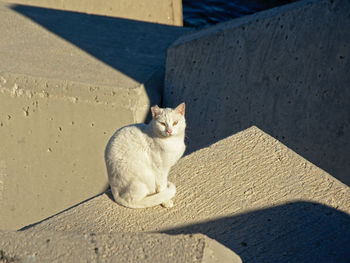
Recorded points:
(170, 131)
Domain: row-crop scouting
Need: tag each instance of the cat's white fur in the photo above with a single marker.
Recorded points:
(139, 157)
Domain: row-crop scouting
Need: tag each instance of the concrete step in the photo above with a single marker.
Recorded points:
(67, 81)
(249, 192)
(112, 247)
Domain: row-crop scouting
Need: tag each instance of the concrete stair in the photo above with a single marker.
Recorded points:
(249, 192)
(246, 197)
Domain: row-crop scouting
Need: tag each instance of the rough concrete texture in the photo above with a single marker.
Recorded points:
(157, 11)
(249, 192)
(112, 247)
(67, 82)
(285, 70)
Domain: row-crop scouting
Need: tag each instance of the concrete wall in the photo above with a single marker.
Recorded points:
(158, 11)
(66, 84)
(53, 136)
(285, 70)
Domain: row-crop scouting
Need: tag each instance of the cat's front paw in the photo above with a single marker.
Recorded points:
(168, 204)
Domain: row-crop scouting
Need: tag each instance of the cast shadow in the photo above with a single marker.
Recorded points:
(134, 48)
(294, 232)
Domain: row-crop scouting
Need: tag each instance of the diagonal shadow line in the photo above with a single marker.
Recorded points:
(132, 47)
(299, 231)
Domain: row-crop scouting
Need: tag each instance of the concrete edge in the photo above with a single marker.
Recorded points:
(240, 22)
(13, 83)
(113, 247)
(16, 85)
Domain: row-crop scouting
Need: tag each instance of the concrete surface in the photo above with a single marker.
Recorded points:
(112, 247)
(67, 82)
(158, 11)
(285, 70)
(249, 192)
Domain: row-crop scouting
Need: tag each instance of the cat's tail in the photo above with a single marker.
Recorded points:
(150, 200)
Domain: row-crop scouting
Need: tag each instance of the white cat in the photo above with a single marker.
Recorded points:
(139, 157)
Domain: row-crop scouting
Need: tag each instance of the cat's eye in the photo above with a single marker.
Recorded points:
(175, 122)
(162, 123)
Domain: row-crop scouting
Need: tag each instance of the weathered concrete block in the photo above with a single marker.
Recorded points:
(157, 11)
(67, 82)
(249, 192)
(112, 247)
(285, 70)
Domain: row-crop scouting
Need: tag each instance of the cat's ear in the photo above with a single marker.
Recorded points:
(181, 108)
(155, 111)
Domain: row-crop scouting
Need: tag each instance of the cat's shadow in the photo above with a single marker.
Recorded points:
(109, 194)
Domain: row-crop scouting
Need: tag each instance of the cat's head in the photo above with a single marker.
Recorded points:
(169, 122)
